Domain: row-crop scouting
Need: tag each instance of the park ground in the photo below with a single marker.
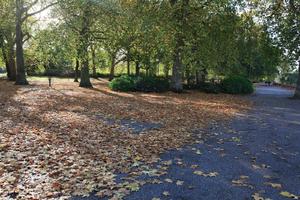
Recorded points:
(68, 142)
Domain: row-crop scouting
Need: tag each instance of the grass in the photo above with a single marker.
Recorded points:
(2, 75)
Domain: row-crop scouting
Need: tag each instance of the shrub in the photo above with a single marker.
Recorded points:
(151, 84)
(237, 85)
(123, 84)
(213, 88)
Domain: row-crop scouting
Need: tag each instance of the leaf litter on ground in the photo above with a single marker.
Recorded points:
(52, 145)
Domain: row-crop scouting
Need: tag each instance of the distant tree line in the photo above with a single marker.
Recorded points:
(187, 40)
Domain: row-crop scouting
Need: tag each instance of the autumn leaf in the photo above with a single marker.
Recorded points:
(166, 193)
(168, 180)
(211, 174)
(72, 140)
(289, 195)
(256, 196)
(274, 185)
(179, 183)
(133, 187)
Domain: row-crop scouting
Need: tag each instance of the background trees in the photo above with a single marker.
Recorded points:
(187, 41)
(7, 37)
(284, 20)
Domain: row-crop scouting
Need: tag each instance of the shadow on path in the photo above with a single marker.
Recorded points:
(258, 154)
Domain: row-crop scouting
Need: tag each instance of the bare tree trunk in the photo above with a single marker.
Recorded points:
(297, 91)
(76, 70)
(112, 68)
(21, 75)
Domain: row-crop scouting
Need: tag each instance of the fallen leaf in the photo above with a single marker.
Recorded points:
(169, 180)
(274, 185)
(155, 198)
(166, 193)
(256, 196)
(179, 182)
(289, 195)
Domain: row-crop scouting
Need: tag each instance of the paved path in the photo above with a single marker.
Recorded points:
(256, 156)
(273, 91)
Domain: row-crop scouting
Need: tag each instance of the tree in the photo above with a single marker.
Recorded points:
(81, 17)
(23, 13)
(283, 19)
(180, 14)
(52, 49)
(7, 37)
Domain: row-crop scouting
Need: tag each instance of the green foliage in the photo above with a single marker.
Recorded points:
(123, 84)
(127, 83)
(237, 85)
(152, 84)
(213, 88)
(289, 78)
(115, 37)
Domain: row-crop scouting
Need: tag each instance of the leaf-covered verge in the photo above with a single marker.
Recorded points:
(53, 146)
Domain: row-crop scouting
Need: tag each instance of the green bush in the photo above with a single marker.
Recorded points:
(142, 84)
(237, 85)
(213, 88)
(123, 84)
(151, 84)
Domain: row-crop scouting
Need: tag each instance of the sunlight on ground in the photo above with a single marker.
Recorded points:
(53, 135)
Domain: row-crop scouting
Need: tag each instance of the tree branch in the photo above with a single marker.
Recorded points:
(38, 11)
(30, 5)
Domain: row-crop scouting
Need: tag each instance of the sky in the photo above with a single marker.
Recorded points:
(45, 18)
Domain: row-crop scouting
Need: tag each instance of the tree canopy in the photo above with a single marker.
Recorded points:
(187, 41)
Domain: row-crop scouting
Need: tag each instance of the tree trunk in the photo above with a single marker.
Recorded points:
(5, 59)
(12, 63)
(112, 68)
(176, 84)
(166, 71)
(21, 75)
(94, 62)
(137, 68)
(201, 76)
(76, 70)
(84, 44)
(85, 75)
(180, 18)
(188, 76)
(297, 91)
(128, 62)
(128, 67)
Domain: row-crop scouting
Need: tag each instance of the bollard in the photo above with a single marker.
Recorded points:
(49, 79)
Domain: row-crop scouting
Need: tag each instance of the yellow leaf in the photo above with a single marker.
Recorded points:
(274, 185)
(288, 195)
(257, 196)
